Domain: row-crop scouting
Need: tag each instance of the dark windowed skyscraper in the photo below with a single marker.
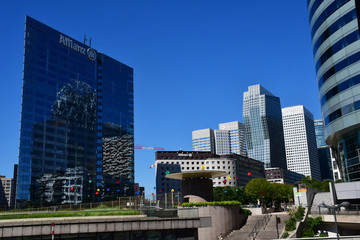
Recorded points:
(263, 127)
(324, 152)
(334, 28)
(77, 121)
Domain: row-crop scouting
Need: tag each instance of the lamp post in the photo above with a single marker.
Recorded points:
(343, 204)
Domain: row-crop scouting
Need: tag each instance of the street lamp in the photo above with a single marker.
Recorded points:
(343, 204)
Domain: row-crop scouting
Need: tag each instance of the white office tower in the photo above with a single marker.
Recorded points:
(237, 136)
(203, 140)
(222, 142)
(300, 141)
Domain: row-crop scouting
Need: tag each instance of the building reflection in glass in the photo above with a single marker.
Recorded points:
(63, 150)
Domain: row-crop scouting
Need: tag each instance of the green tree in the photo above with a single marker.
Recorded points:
(229, 194)
(286, 191)
(260, 188)
(316, 184)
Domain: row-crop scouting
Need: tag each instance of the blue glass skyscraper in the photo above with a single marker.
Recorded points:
(77, 121)
(334, 28)
(263, 127)
(319, 133)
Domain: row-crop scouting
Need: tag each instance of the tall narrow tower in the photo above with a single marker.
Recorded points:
(263, 127)
(300, 141)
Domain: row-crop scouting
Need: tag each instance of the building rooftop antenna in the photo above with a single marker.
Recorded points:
(85, 39)
(90, 42)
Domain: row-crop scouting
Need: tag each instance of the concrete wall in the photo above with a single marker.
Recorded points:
(224, 219)
(347, 190)
(327, 218)
(37, 227)
(306, 198)
(330, 238)
(256, 211)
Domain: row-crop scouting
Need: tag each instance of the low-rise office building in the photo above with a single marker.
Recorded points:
(279, 175)
(240, 169)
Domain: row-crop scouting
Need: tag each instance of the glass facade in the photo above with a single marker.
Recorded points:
(263, 127)
(319, 133)
(349, 163)
(336, 46)
(77, 121)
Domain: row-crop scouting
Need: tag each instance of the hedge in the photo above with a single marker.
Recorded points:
(202, 204)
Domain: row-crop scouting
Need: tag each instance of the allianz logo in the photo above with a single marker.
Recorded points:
(68, 42)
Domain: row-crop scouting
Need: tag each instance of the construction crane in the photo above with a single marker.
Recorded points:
(148, 148)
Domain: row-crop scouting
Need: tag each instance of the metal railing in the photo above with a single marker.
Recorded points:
(353, 209)
(261, 224)
(159, 201)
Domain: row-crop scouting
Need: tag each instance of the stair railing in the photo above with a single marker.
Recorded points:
(258, 226)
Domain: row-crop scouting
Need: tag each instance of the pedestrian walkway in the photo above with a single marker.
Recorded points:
(268, 233)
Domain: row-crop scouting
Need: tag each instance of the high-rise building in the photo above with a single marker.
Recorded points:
(230, 138)
(222, 142)
(263, 127)
(237, 136)
(324, 153)
(300, 141)
(7, 193)
(77, 121)
(334, 28)
(319, 133)
(203, 140)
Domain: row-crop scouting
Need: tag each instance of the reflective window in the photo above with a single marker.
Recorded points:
(326, 13)
(314, 7)
(333, 28)
(352, 37)
(342, 111)
(338, 67)
(339, 88)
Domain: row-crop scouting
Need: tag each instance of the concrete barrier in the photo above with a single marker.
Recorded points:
(85, 225)
(224, 219)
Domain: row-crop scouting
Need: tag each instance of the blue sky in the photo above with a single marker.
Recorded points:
(192, 62)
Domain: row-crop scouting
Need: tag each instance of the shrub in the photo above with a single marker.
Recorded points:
(201, 204)
(285, 235)
(290, 224)
(245, 211)
(307, 232)
(299, 214)
(313, 226)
